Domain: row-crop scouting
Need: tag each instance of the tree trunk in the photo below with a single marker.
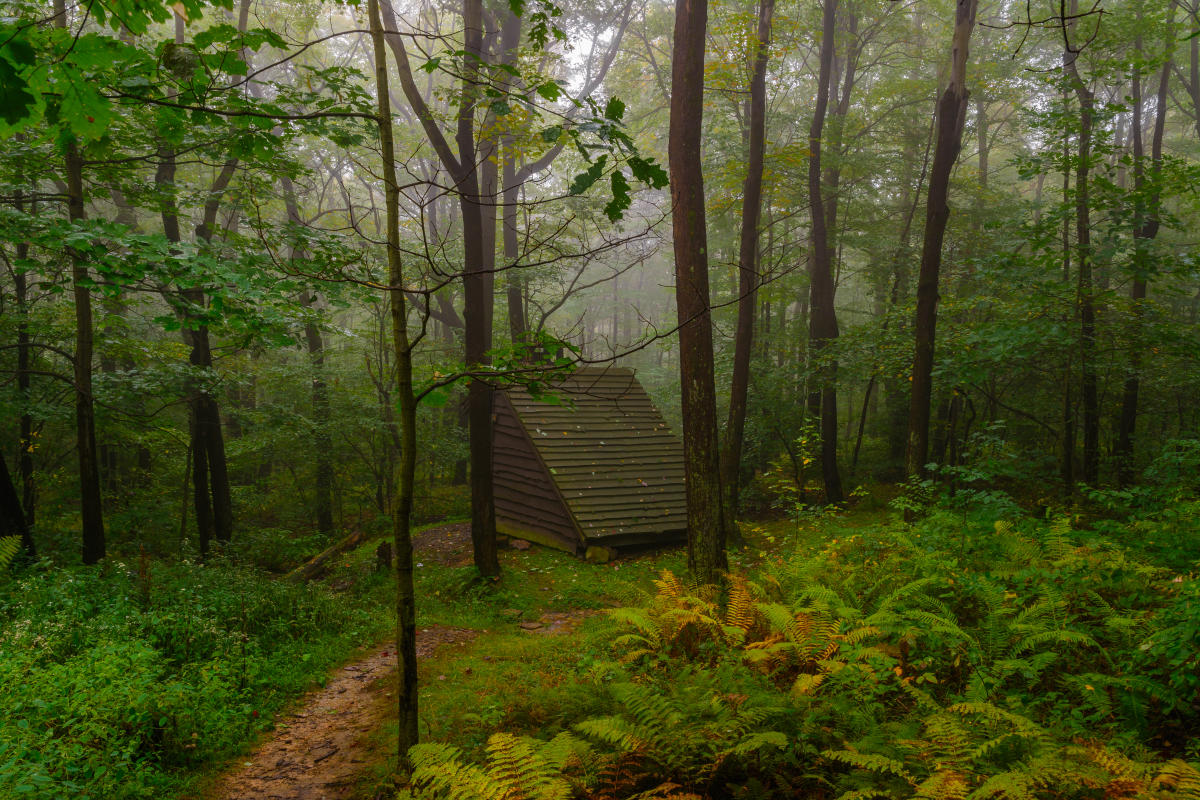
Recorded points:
(323, 480)
(748, 277)
(26, 431)
(706, 529)
(477, 282)
(1146, 224)
(822, 325)
(1085, 290)
(85, 416)
(1067, 462)
(510, 41)
(406, 627)
(951, 113)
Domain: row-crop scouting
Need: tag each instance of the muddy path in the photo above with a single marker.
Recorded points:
(324, 748)
(319, 751)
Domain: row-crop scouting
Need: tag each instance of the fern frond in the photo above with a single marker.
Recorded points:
(759, 741)
(9, 547)
(1061, 636)
(740, 609)
(807, 684)
(613, 731)
(871, 762)
(1012, 785)
(438, 774)
(1182, 777)
(945, 784)
(864, 794)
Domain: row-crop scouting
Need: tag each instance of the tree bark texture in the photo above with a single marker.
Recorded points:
(91, 507)
(822, 193)
(26, 431)
(477, 285)
(951, 114)
(748, 273)
(406, 627)
(1147, 219)
(706, 530)
(1085, 287)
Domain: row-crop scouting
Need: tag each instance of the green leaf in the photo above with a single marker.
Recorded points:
(552, 134)
(16, 100)
(647, 171)
(584, 180)
(614, 109)
(431, 65)
(621, 200)
(549, 90)
(501, 108)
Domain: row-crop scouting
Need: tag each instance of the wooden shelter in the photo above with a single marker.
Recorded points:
(598, 467)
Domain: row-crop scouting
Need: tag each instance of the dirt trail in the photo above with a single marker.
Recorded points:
(318, 752)
(322, 750)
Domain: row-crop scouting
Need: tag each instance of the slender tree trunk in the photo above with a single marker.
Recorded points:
(951, 114)
(90, 504)
(406, 628)
(208, 408)
(85, 416)
(477, 283)
(823, 327)
(25, 435)
(510, 41)
(1067, 465)
(1146, 224)
(323, 440)
(706, 529)
(1089, 393)
(748, 277)
(323, 480)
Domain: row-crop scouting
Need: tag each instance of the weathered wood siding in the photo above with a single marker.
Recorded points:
(610, 454)
(527, 504)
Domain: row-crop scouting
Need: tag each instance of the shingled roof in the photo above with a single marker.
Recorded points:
(599, 467)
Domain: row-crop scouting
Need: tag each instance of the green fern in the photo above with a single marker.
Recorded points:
(9, 547)
(519, 768)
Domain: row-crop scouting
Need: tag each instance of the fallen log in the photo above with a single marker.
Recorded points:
(317, 564)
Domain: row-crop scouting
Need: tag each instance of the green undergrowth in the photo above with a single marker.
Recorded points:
(125, 681)
(979, 652)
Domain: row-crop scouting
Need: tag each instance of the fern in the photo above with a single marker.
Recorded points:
(871, 762)
(519, 768)
(9, 547)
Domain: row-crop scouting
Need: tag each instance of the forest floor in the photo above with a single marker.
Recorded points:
(319, 751)
(329, 747)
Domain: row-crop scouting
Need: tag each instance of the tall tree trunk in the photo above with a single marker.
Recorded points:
(510, 41)
(25, 435)
(477, 282)
(406, 627)
(323, 479)
(90, 504)
(208, 409)
(951, 114)
(1146, 224)
(706, 529)
(1085, 291)
(323, 440)
(748, 277)
(1067, 463)
(822, 325)
(85, 415)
